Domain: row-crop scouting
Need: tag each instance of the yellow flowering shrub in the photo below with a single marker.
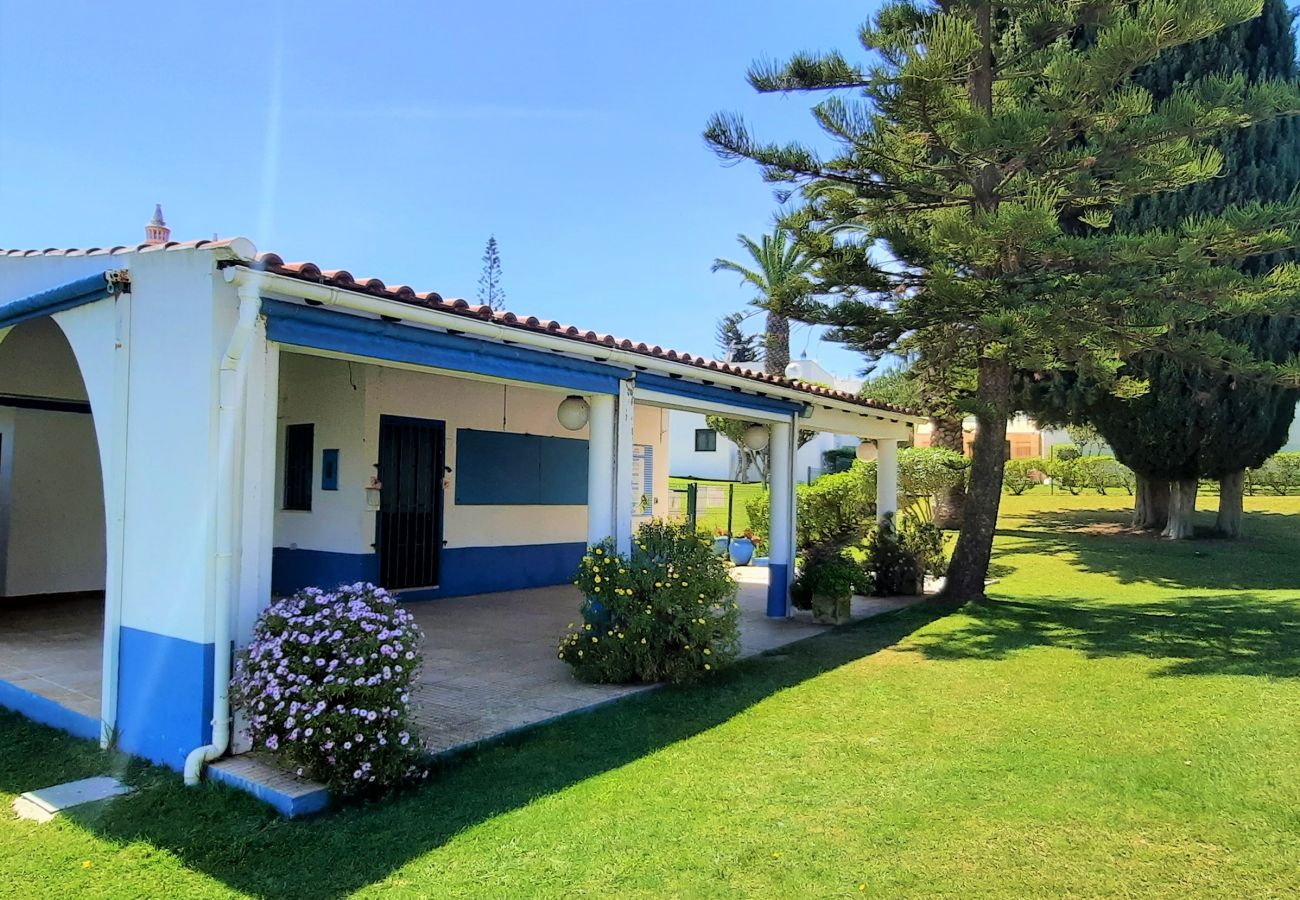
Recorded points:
(667, 613)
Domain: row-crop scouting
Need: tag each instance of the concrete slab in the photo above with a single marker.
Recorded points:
(44, 804)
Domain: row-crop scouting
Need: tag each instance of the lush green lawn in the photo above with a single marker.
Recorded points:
(1124, 719)
(713, 516)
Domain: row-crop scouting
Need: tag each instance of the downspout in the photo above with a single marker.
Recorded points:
(230, 407)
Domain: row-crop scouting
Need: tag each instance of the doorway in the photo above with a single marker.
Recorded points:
(408, 527)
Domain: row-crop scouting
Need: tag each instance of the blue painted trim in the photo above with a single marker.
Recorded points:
(57, 299)
(307, 326)
(778, 592)
(284, 804)
(329, 470)
(294, 569)
(464, 570)
(48, 712)
(164, 696)
(714, 393)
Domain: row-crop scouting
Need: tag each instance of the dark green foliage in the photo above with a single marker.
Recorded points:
(988, 146)
(1198, 421)
(490, 292)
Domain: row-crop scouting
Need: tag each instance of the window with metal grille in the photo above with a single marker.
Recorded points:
(299, 449)
(706, 440)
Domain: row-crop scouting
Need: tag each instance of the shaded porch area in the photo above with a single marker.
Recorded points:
(491, 667)
(52, 646)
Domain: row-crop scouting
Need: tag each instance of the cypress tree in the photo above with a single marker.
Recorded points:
(1195, 422)
(974, 131)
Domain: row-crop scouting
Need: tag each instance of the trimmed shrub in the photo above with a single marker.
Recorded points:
(898, 559)
(326, 685)
(1280, 474)
(1102, 473)
(1066, 473)
(667, 613)
(1020, 475)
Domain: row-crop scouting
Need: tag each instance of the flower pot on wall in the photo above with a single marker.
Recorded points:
(831, 610)
(742, 551)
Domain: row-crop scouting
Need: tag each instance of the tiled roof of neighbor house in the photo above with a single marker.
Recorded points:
(344, 280)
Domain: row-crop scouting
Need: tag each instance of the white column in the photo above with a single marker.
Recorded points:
(256, 507)
(600, 468)
(625, 419)
(886, 478)
(781, 461)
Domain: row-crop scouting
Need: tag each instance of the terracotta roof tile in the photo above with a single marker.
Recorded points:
(341, 278)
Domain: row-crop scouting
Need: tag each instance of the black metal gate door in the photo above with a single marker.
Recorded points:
(408, 532)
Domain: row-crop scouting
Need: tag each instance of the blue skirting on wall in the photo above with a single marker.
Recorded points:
(778, 592)
(164, 696)
(47, 712)
(465, 570)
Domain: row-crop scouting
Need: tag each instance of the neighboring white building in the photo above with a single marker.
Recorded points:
(187, 429)
(697, 451)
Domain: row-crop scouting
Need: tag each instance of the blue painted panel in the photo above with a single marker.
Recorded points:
(563, 471)
(47, 712)
(56, 299)
(693, 390)
(292, 570)
(164, 696)
(778, 593)
(465, 570)
(329, 470)
(499, 468)
(307, 326)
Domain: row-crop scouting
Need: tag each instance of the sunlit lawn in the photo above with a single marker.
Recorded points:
(1123, 720)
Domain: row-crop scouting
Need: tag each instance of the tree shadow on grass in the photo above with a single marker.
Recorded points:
(239, 842)
(1098, 540)
(1237, 635)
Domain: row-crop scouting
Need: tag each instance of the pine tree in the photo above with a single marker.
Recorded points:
(977, 130)
(1195, 423)
(733, 344)
(490, 292)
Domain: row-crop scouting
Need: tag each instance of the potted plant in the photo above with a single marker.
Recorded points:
(742, 548)
(830, 578)
(721, 541)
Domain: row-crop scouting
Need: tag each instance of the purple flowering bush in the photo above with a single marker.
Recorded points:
(326, 685)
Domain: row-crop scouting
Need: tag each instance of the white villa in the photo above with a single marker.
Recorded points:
(187, 429)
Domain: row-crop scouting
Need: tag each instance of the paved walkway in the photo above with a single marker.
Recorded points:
(53, 646)
(490, 662)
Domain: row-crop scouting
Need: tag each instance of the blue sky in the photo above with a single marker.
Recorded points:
(392, 138)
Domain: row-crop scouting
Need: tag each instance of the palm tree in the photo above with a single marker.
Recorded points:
(780, 274)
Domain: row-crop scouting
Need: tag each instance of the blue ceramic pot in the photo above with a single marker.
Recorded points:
(742, 551)
(720, 545)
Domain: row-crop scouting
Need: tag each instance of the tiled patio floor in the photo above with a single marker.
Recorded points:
(490, 665)
(53, 647)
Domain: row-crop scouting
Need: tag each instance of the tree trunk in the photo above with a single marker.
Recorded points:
(970, 559)
(1230, 491)
(946, 433)
(776, 347)
(1151, 503)
(1182, 509)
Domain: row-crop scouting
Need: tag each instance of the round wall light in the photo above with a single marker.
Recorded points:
(756, 437)
(573, 412)
(866, 451)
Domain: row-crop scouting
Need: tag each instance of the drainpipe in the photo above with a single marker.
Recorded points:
(229, 409)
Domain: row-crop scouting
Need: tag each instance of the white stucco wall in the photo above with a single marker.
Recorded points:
(687, 462)
(345, 402)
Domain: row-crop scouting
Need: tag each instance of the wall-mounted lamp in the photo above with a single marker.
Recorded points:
(756, 437)
(373, 493)
(866, 450)
(573, 412)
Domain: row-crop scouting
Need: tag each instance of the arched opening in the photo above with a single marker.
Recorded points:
(52, 524)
